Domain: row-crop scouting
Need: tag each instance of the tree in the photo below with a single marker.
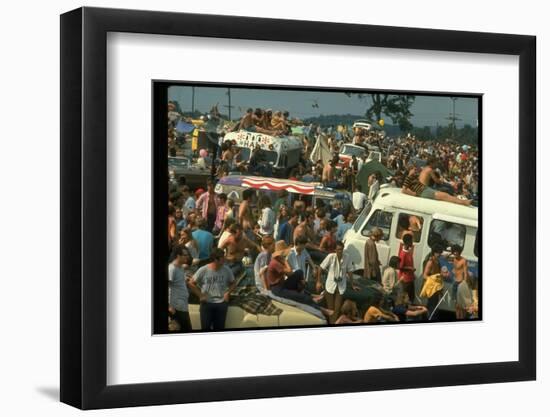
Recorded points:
(396, 107)
(424, 133)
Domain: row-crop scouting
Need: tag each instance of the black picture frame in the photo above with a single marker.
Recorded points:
(84, 207)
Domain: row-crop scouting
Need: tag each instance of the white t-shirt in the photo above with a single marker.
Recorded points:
(358, 200)
(299, 261)
(337, 272)
(389, 278)
(267, 221)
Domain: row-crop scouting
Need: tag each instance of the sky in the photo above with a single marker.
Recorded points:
(427, 110)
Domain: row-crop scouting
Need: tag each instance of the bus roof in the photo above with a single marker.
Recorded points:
(275, 184)
(393, 197)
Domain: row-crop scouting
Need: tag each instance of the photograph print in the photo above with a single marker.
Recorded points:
(293, 207)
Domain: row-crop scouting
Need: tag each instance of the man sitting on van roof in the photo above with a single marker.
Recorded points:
(413, 186)
(247, 122)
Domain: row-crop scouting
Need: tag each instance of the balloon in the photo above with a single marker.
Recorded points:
(381, 122)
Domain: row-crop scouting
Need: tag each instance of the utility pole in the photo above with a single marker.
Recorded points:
(193, 99)
(452, 117)
(229, 101)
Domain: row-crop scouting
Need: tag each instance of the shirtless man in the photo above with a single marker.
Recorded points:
(257, 117)
(428, 175)
(235, 246)
(415, 187)
(259, 121)
(245, 213)
(228, 154)
(247, 121)
(305, 228)
(408, 225)
(268, 114)
(329, 171)
(460, 270)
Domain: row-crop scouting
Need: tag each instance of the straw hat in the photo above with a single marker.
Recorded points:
(281, 249)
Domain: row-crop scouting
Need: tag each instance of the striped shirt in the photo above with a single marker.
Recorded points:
(412, 183)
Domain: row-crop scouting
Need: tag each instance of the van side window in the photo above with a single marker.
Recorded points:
(381, 219)
(409, 223)
(447, 234)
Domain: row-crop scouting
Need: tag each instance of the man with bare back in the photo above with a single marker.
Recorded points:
(460, 271)
(428, 177)
(245, 212)
(419, 187)
(329, 172)
(247, 121)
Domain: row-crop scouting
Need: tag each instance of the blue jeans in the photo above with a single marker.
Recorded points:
(236, 267)
(213, 316)
(293, 289)
(455, 290)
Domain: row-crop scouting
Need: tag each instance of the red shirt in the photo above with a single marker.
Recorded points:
(407, 260)
(275, 272)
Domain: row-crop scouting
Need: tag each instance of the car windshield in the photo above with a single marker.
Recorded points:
(352, 150)
(375, 155)
(178, 162)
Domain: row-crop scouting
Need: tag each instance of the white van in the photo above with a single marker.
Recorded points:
(281, 152)
(440, 221)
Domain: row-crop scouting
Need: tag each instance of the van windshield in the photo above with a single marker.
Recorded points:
(293, 157)
(244, 154)
(353, 151)
(361, 219)
(270, 156)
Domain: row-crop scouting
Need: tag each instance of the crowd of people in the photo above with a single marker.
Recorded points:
(296, 249)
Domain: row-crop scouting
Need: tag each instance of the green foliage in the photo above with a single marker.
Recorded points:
(467, 134)
(325, 120)
(423, 133)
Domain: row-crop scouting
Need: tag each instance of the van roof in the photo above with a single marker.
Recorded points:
(392, 196)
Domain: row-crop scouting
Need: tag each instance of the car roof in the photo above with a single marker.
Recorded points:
(355, 146)
(393, 197)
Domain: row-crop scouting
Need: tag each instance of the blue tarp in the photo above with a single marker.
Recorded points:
(183, 127)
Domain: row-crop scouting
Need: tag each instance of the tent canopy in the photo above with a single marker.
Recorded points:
(368, 169)
(321, 150)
